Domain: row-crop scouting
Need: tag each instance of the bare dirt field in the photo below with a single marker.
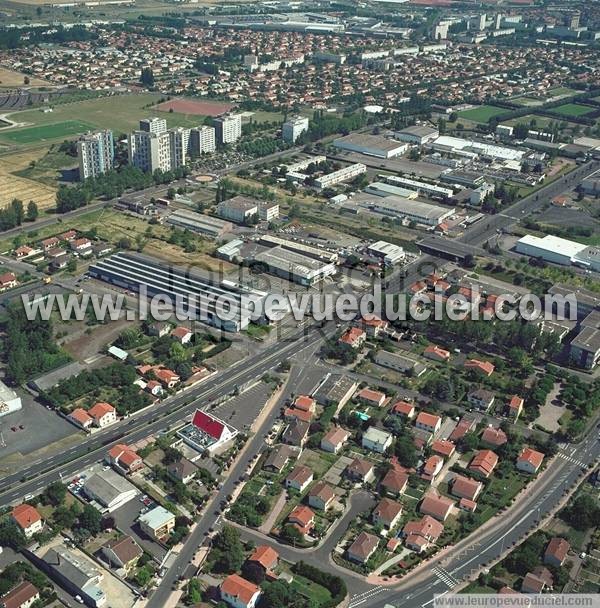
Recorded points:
(20, 187)
(194, 107)
(10, 78)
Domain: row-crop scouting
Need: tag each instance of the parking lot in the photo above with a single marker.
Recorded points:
(126, 521)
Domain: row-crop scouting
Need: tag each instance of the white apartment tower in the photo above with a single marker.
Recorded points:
(150, 151)
(228, 128)
(180, 145)
(96, 154)
(202, 140)
(153, 125)
(293, 128)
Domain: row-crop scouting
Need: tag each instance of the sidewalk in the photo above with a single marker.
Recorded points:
(268, 524)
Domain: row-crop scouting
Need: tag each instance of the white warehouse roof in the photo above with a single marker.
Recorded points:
(552, 244)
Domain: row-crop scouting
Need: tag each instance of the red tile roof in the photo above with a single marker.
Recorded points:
(81, 416)
(304, 403)
(557, 548)
(302, 515)
(443, 447)
(436, 506)
(484, 462)
(265, 556)
(25, 515)
(100, 409)
(394, 481)
(238, 587)
(531, 456)
(495, 437)
(403, 408)
(483, 366)
(430, 420)
(19, 595)
(464, 487)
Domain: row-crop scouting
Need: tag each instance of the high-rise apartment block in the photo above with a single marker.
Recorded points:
(293, 128)
(228, 128)
(96, 154)
(202, 140)
(150, 151)
(153, 125)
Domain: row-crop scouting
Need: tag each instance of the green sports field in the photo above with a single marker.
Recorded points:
(573, 109)
(45, 132)
(482, 114)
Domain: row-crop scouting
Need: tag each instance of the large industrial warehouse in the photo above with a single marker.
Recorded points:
(414, 211)
(371, 145)
(294, 266)
(559, 251)
(204, 296)
(198, 222)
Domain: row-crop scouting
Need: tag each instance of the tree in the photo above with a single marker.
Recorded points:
(583, 513)
(147, 77)
(90, 520)
(405, 450)
(194, 592)
(55, 493)
(143, 576)
(12, 536)
(276, 595)
(291, 534)
(228, 550)
(32, 212)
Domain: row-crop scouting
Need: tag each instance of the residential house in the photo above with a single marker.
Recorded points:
(300, 478)
(362, 548)
(7, 281)
(443, 447)
(296, 433)
(529, 461)
(50, 243)
(238, 592)
(481, 399)
(394, 482)
(360, 470)
(157, 523)
(81, 418)
(124, 459)
(387, 513)
(278, 458)
(122, 553)
(482, 367)
(305, 403)
(536, 581)
(428, 422)
(103, 414)
(435, 353)
(437, 506)
(291, 413)
(371, 397)
(183, 470)
(182, 334)
(21, 596)
(333, 441)
(431, 467)
(159, 330)
(28, 519)
(303, 518)
(464, 426)
(376, 440)
(374, 326)
(483, 463)
(515, 407)
(320, 496)
(493, 437)
(556, 552)
(419, 535)
(353, 337)
(266, 558)
(464, 487)
(403, 409)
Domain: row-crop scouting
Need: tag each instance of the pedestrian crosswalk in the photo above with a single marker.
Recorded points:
(572, 460)
(445, 577)
(362, 598)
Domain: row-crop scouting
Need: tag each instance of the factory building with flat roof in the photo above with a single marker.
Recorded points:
(388, 252)
(217, 302)
(382, 189)
(309, 250)
(371, 145)
(417, 134)
(413, 211)
(419, 186)
(198, 222)
(294, 266)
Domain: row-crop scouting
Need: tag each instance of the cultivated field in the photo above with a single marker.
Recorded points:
(481, 113)
(20, 187)
(10, 78)
(120, 113)
(573, 109)
(195, 107)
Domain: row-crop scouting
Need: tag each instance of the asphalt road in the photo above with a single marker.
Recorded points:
(37, 475)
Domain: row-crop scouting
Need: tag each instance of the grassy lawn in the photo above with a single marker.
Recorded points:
(258, 332)
(120, 113)
(310, 590)
(57, 130)
(573, 109)
(481, 113)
